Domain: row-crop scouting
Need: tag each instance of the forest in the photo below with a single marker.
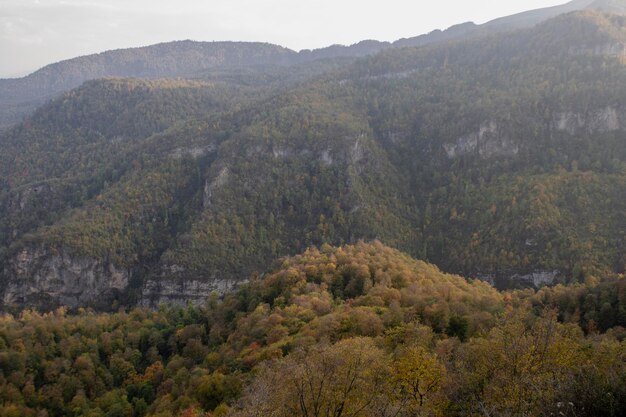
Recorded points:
(364, 231)
(360, 330)
(495, 157)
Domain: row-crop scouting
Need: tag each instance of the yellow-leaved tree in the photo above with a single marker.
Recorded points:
(348, 379)
(417, 378)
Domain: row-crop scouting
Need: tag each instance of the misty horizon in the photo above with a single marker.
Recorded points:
(36, 33)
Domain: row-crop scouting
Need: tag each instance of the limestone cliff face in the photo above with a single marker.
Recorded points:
(494, 139)
(614, 49)
(508, 279)
(608, 119)
(46, 278)
(181, 291)
(489, 141)
(214, 184)
(42, 277)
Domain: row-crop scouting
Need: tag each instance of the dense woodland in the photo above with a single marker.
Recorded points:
(359, 330)
(315, 181)
(258, 62)
(223, 175)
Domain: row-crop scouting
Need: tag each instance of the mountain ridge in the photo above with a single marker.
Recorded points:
(19, 96)
(481, 156)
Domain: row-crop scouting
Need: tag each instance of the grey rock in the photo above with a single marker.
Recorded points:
(193, 152)
(60, 278)
(537, 278)
(211, 186)
(357, 151)
(280, 152)
(614, 49)
(326, 157)
(489, 141)
(508, 279)
(598, 121)
(182, 291)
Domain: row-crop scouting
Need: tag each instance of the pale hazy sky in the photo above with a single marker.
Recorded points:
(34, 33)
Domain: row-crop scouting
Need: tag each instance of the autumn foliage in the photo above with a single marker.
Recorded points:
(360, 330)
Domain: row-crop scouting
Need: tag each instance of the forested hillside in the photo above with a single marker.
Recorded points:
(362, 330)
(173, 60)
(21, 96)
(432, 227)
(500, 157)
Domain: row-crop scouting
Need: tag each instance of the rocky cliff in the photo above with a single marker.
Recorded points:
(181, 291)
(495, 139)
(45, 277)
(500, 154)
(489, 141)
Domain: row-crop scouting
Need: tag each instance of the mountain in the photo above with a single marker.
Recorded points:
(522, 20)
(501, 157)
(19, 97)
(533, 17)
(175, 59)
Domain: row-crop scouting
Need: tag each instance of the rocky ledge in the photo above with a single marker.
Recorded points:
(45, 278)
(181, 292)
(511, 279)
(42, 277)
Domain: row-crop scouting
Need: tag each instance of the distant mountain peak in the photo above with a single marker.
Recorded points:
(187, 58)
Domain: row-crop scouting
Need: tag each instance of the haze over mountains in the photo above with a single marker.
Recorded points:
(19, 97)
(491, 152)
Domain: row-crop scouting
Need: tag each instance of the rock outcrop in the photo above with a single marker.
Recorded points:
(211, 185)
(45, 278)
(608, 119)
(182, 291)
(511, 279)
(489, 141)
(493, 139)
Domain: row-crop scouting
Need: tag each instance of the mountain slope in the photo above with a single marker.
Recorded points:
(533, 17)
(522, 20)
(501, 157)
(72, 149)
(608, 6)
(171, 60)
(19, 97)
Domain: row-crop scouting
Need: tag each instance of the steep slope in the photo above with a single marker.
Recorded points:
(544, 104)
(305, 171)
(522, 20)
(314, 153)
(19, 97)
(494, 179)
(73, 149)
(533, 17)
(86, 139)
(501, 158)
(167, 60)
